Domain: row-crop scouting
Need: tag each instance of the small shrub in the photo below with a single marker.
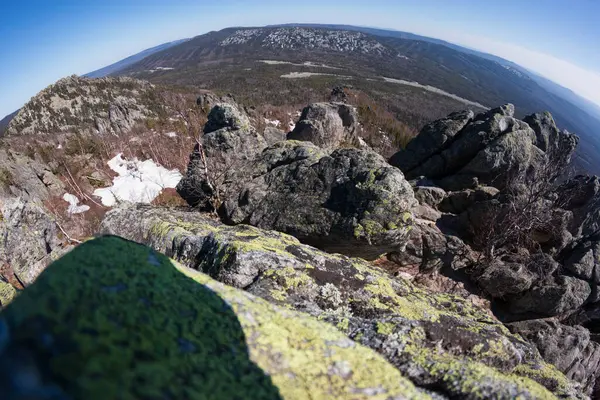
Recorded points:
(169, 198)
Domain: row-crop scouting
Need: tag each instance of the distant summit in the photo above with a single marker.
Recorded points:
(119, 65)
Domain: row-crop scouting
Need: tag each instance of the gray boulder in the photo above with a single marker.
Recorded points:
(460, 201)
(224, 155)
(404, 323)
(226, 115)
(581, 196)
(328, 125)
(351, 201)
(569, 348)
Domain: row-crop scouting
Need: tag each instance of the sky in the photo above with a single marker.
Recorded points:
(42, 41)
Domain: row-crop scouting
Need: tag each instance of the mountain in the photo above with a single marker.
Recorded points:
(5, 121)
(276, 64)
(119, 65)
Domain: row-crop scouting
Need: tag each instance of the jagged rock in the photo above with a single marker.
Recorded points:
(114, 319)
(550, 298)
(581, 196)
(549, 138)
(29, 239)
(327, 125)
(462, 152)
(508, 155)
(431, 250)
(431, 140)
(478, 357)
(230, 145)
(568, 348)
(351, 201)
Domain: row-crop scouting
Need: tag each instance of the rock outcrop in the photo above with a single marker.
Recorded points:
(464, 151)
(569, 348)
(328, 125)
(76, 104)
(114, 319)
(441, 342)
(222, 159)
(350, 201)
(26, 178)
(29, 239)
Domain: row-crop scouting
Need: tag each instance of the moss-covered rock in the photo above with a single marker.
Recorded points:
(7, 293)
(440, 341)
(114, 319)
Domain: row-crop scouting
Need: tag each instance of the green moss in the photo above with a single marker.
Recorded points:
(385, 328)
(143, 327)
(545, 374)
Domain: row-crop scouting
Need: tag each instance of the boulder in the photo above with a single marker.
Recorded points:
(440, 341)
(7, 292)
(430, 195)
(581, 196)
(328, 125)
(581, 261)
(351, 201)
(550, 298)
(431, 140)
(228, 116)
(224, 154)
(569, 348)
(114, 319)
(501, 279)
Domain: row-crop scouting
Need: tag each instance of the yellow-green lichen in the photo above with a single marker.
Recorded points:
(385, 328)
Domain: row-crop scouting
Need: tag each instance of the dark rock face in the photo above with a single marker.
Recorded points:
(464, 151)
(350, 202)
(327, 125)
(228, 147)
(569, 348)
(549, 138)
(404, 323)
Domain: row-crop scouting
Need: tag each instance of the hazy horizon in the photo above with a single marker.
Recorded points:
(554, 38)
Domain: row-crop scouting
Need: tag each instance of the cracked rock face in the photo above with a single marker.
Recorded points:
(29, 239)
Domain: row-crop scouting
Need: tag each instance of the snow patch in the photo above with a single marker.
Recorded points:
(435, 90)
(304, 64)
(273, 122)
(294, 75)
(137, 181)
(74, 207)
(171, 134)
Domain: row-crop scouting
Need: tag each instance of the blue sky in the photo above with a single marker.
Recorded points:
(42, 41)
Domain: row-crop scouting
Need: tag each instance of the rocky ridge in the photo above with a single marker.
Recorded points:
(105, 106)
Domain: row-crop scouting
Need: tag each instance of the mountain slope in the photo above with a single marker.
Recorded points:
(119, 65)
(358, 56)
